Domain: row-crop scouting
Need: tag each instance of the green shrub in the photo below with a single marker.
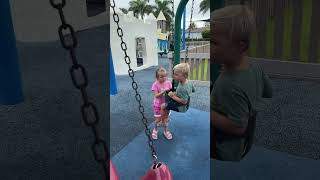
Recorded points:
(206, 34)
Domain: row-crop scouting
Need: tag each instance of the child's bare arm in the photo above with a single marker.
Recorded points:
(156, 94)
(179, 100)
(224, 124)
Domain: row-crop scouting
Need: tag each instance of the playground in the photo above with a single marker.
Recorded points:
(189, 148)
(287, 127)
(44, 136)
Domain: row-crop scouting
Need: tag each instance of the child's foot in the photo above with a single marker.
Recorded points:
(167, 134)
(155, 133)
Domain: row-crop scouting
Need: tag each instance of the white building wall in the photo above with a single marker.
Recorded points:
(37, 20)
(132, 29)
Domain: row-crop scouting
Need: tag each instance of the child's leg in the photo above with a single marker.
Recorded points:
(165, 121)
(166, 131)
(157, 116)
(157, 122)
(164, 112)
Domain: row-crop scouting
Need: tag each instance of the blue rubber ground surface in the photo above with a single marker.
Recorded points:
(125, 119)
(264, 164)
(187, 154)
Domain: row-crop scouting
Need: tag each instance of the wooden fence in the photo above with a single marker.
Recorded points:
(196, 43)
(197, 49)
(287, 30)
(199, 65)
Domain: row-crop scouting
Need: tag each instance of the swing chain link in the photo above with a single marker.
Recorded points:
(189, 31)
(172, 42)
(99, 145)
(134, 83)
(59, 5)
(172, 26)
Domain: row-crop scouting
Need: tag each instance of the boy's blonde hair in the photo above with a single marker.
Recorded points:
(236, 21)
(183, 68)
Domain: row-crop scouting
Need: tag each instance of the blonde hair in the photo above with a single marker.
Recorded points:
(160, 69)
(183, 68)
(236, 21)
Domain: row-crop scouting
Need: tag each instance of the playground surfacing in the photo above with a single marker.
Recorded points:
(40, 143)
(44, 137)
(278, 119)
(265, 164)
(187, 154)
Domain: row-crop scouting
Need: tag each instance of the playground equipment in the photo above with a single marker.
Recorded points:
(10, 89)
(99, 144)
(156, 168)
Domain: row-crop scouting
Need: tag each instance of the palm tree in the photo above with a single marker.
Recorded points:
(140, 8)
(204, 6)
(163, 5)
(124, 10)
(193, 26)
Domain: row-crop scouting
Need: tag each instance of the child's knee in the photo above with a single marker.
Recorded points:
(163, 106)
(158, 119)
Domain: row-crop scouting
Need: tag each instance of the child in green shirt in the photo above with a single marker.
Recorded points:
(240, 84)
(178, 100)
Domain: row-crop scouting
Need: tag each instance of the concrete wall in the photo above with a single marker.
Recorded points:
(36, 20)
(132, 29)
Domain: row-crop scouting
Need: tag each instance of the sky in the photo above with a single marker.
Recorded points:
(196, 15)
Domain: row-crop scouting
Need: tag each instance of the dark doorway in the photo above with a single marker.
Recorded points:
(95, 7)
(140, 50)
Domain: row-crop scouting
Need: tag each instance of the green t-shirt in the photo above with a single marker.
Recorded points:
(184, 91)
(231, 94)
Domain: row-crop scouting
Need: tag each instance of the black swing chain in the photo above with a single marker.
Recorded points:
(172, 42)
(172, 22)
(189, 32)
(134, 83)
(87, 106)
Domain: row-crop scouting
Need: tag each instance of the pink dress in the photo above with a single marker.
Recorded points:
(157, 87)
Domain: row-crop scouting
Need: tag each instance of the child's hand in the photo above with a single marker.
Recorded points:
(171, 94)
(162, 90)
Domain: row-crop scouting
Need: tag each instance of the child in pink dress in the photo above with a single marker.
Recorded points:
(159, 88)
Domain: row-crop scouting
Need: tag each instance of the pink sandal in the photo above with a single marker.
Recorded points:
(167, 134)
(155, 134)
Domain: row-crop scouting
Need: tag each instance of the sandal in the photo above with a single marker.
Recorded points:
(167, 134)
(155, 134)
